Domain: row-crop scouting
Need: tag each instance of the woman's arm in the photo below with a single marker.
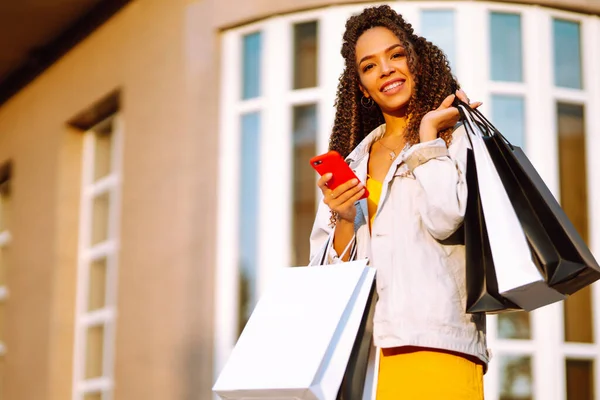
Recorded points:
(327, 242)
(441, 173)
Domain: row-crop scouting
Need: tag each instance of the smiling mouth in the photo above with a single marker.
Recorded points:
(391, 86)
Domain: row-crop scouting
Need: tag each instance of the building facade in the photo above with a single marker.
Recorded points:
(154, 177)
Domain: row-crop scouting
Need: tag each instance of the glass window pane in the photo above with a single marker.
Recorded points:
(580, 379)
(4, 223)
(100, 213)
(579, 317)
(4, 206)
(515, 325)
(516, 380)
(508, 115)
(567, 54)
(3, 371)
(97, 292)
(2, 322)
(573, 196)
(438, 27)
(103, 149)
(251, 55)
(3, 266)
(249, 201)
(506, 47)
(572, 165)
(305, 55)
(93, 396)
(305, 147)
(94, 351)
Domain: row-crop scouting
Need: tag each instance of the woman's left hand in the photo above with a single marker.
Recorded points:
(442, 118)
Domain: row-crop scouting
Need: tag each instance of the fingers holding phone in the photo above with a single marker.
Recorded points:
(340, 186)
(343, 198)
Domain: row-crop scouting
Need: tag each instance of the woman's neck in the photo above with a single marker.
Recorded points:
(395, 125)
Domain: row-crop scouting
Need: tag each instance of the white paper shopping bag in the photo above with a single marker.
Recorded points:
(519, 279)
(298, 340)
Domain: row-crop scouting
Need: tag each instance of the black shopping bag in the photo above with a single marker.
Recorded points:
(353, 383)
(547, 257)
(481, 282)
(557, 248)
(568, 278)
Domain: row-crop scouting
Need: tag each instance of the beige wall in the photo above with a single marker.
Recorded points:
(162, 55)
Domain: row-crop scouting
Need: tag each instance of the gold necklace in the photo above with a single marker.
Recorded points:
(392, 151)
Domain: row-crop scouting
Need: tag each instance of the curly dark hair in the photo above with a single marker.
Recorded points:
(427, 63)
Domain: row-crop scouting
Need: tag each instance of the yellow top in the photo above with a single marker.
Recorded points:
(374, 188)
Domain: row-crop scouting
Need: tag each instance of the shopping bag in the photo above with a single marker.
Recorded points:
(354, 384)
(482, 285)
(559, 250)
(570, 278)
(299, 339)
(519, 279)
(372, 377)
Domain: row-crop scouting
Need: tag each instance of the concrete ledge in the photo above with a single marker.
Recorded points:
(231, 13)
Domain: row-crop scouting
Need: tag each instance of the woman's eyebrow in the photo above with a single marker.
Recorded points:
(392, 47)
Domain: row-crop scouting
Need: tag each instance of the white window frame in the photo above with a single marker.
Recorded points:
(109, 250)
(547, 349)
(5, 239)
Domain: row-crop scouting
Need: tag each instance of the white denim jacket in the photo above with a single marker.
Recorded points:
(420, 272)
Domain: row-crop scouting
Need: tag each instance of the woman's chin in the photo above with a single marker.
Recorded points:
(394, 108)
(394, 104)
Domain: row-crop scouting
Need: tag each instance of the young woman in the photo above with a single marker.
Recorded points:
(396, 126)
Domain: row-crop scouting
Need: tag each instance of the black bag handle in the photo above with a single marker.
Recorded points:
(480, 120)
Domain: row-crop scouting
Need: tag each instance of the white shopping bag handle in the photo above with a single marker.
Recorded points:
(352, 245)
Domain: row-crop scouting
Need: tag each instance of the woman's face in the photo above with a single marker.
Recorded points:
(383, 70)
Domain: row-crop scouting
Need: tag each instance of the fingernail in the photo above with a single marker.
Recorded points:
(354, 181)
(327, 175)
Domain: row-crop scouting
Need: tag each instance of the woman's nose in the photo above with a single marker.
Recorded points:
(386, 68)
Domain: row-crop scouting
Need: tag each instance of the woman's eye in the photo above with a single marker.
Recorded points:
(398, 55)
(367, 67)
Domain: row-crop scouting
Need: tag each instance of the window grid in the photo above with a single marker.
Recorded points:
(491, 91)
(587, 95)
(104, 316)
(547, 349)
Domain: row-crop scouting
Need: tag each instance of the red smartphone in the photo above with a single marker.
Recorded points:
(332, 162)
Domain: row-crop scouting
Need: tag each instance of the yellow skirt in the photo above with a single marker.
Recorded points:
(429, 375)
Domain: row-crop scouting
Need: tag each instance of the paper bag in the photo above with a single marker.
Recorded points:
(297, 342)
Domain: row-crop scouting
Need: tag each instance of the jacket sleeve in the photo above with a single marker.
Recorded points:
(441, 173)
(322, 251)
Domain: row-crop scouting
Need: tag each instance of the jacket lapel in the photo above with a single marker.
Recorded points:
(358, 160)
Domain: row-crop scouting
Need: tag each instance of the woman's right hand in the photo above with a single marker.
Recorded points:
(342, 199)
